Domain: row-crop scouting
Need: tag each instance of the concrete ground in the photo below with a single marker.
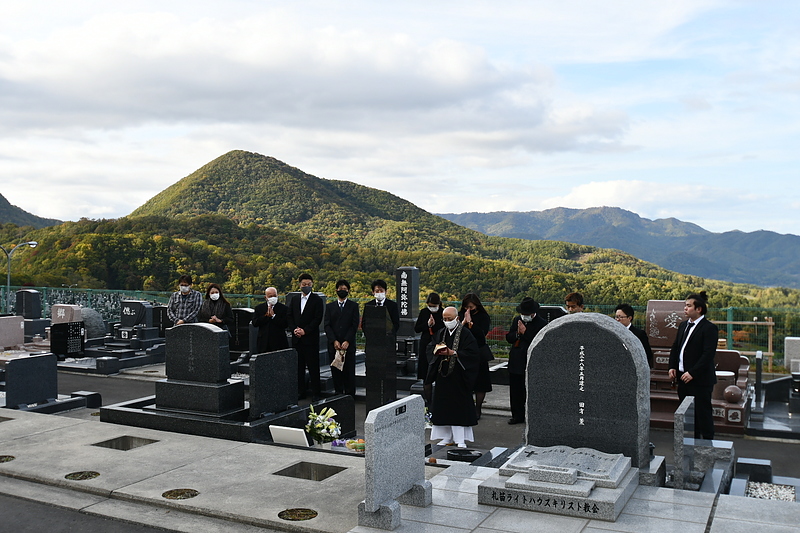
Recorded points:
(239, 490)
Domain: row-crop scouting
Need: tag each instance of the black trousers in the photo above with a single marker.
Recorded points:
(516, 391)
(307, 357)
(344, 381)
(703, 412)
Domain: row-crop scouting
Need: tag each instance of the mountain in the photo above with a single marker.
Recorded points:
(762, 257)
(11, 214)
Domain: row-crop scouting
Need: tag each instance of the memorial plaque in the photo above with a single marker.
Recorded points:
(380, 357)
(273, 382)
(588, 387)
(66, 338)
(197, 352)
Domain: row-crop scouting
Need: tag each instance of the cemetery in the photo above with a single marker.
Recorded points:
(225, 433)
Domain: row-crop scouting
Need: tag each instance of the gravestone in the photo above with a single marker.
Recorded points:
(12, 331)
(31, 380)
(29, 304)
(136, 313)
(67, 338)
(551, 312)
(380, 356)
(198, 368)
(587, 422)
(407, 279)
(62, 313)
(791, 351)
(273, 382)
(588, 386)
(240, 332)
(161, 320)
(662, 319)
(93, 322)
(394, 462)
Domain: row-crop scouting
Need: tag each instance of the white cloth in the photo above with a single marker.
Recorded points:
(457, 434)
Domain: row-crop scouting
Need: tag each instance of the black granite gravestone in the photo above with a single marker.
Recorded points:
(273, 382)
(240, 333)
(29, 303)
(380, 357)
(31, 380)
(161, 320)
(135, 313)
(588, 386)
(407, 299)
(66, 338)
(198, 368)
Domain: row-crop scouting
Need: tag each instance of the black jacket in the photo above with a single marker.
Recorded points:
(698, 356)
(271, 330)
(518, 355)
(341, 324)
(310, 319)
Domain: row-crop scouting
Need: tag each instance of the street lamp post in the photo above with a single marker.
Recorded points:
(9, 253)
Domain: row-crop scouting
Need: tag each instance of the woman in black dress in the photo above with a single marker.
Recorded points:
(215, 309)
(474, 316)
(428, 323)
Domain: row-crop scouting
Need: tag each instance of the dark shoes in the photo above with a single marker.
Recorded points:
(513, 421)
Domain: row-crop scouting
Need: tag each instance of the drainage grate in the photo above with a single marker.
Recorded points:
(180, 494)
(6, 458)
(297, 514)
(312, 471)
(125, 443)
(82, 476)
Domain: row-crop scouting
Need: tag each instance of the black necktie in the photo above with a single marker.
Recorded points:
(686, 331)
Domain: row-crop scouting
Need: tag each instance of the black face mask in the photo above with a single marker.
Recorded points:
(342, 294)
(305, 290)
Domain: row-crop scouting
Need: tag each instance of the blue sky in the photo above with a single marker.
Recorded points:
(686, 109)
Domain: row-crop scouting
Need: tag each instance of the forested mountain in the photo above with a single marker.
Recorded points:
(249, 221)
(762, 257)
(11, 214)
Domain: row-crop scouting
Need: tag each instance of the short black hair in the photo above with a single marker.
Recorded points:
(343, 282)
(186, 278)
(378, 283)
(434, 298)
(625, 308)
(305, 275)
(700, 300)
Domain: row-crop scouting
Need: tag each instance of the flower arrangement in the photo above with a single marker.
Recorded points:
(321, 426)
(428, 423)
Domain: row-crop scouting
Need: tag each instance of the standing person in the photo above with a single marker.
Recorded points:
(453, 368)
(184, 305)
(428, 322)
(520, 335)
(216, 309)
(341, 324)
(379, 291)
(474, 316)
(574, 302)
(305, 318)
(691, 362)
(623, 314)
(271, 318)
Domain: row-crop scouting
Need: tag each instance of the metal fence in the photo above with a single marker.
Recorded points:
(746, 329)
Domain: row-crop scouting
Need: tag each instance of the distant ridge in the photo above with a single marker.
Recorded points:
(15, 215)
(762, 258)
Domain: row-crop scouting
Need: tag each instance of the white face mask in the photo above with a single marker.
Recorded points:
(185, 289)
(433, 308)
(526, 318)
(214, 296)
(380, 296)
(272, 300)
(451, 324)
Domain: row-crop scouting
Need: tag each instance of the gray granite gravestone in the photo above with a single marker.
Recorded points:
(198, 368)
(380, 355)
(394, 462)
(273, 382)
(62, 313)
(12, 331)
(93, 322)
(589, 387)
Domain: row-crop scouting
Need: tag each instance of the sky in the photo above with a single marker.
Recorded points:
(686, 109)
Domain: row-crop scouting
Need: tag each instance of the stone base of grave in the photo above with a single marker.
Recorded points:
(387, 517)
(598, 504)
(420, 495)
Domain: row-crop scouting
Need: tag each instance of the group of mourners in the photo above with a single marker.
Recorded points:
(453, 352)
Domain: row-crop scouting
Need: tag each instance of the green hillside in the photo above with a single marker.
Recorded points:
(11, 214)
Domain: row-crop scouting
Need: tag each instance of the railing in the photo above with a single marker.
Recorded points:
(746, 329)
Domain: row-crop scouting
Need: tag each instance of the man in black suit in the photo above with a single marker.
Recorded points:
(520, 335)
(271, 319)
(623, 314)
(341, 324)
(691, 362)
(305, 318)
(379, 291)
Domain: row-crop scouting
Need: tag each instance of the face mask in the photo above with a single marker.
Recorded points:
(380, 296)
(214, 296)
(433, 308)
(305, 290)
(526, 318)
(272, 300)
(185, 289)
(451, 324)
(342, 294)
